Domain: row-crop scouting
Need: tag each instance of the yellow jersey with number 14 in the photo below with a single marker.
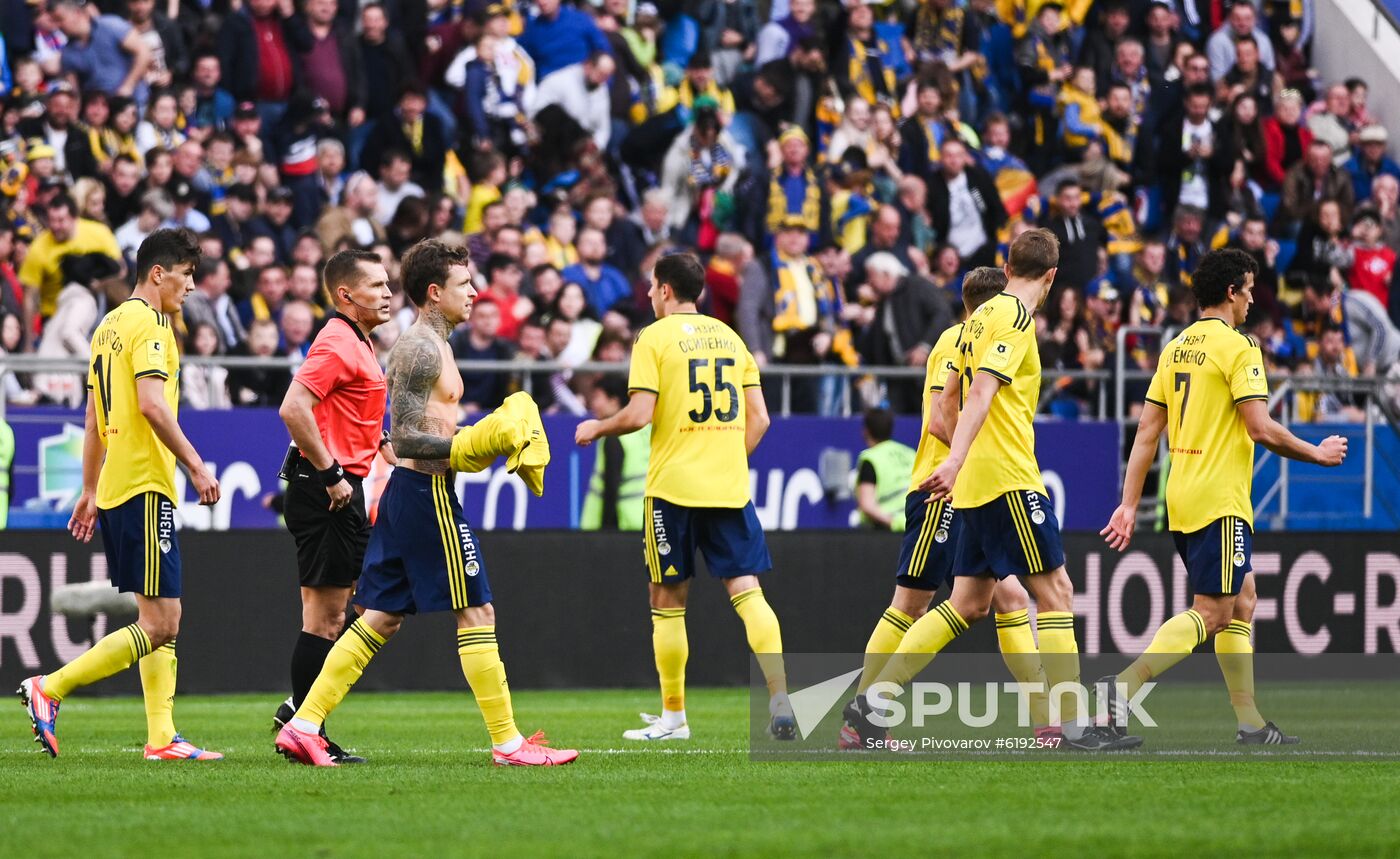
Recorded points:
(698, 368)
(133, 341)
(1202, 376)
(999, 339)
(941, 361)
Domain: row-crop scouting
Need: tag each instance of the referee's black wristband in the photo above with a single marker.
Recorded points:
(333, 475)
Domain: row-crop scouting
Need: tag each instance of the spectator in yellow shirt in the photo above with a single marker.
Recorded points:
(68, 234)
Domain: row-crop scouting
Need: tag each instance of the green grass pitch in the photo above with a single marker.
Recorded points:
(429, 790)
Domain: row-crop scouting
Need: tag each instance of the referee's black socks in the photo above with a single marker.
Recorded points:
(307, 658)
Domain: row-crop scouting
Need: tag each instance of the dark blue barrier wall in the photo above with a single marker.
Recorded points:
(572, 609)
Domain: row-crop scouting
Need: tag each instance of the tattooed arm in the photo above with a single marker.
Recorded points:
(414, 367)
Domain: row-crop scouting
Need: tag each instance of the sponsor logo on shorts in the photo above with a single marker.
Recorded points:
(471, 565)
(165, 526)
(658, 529)
(1238, 540)
(1033, 504)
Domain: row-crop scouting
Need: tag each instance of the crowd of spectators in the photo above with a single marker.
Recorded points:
(839, 167)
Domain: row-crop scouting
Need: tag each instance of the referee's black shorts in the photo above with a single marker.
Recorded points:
(330, 545)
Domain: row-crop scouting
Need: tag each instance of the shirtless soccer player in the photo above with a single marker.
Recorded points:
(422, 555)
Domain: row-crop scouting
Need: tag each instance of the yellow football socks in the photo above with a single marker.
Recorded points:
(884, 641)
(1059, 654)
(1172, 643)
(158, 687)
(1022, 658)
(117, 651)
(486, 674)
(344, 665)
(672, 650)
(929, 634)
(765, 637)
(1236, 656)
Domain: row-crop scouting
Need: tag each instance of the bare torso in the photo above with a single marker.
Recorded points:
(424, 390)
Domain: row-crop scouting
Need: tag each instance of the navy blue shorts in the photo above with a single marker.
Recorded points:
(422, 555)
(1217, 556)
(1014, 535)
(930, 539)
(730, 538)
(143, 555)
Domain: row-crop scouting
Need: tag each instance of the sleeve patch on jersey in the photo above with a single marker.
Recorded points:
(1255, 379)
(998, 355)
(155, 352)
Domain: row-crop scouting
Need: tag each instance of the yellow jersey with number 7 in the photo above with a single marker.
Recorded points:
(699, 368)
(134, 341)
(1203, 375)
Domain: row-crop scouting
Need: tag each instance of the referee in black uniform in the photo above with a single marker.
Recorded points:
(334, 411)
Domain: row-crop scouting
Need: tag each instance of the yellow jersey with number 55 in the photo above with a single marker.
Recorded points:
(1202, 376)
(999, 339)
(699, 369)
(133, 341)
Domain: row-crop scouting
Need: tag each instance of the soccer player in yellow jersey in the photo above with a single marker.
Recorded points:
(1210, 395)
(931, 537)
(131, 444)
(1009, 525)
(697, 385)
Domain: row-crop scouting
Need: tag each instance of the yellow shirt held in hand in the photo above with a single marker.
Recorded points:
(698, 368)
(999, 339)
(1202, 377)
(941, 361)
(133, 341)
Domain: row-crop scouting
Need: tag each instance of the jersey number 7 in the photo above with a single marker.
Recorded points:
(707, 393)
(1182, 386)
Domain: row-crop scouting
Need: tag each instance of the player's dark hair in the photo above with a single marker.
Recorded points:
(1218, 271)
(613, 386)
(166, 248)
(1033, 254)
(343, 269)
(1064, 184)
(683, 273)
(426, 263)
(981, 284)
(879, 424)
